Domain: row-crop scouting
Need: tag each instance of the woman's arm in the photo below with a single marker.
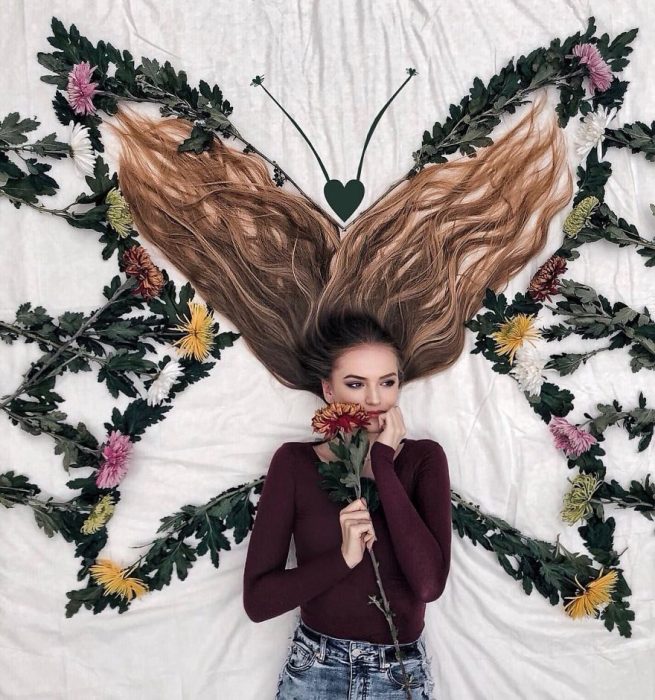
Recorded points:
(268, 588)
(421, 534)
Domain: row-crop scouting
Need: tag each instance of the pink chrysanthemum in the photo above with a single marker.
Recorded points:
(573, 440)
(115, 451)
(600, 74)
(80, 88)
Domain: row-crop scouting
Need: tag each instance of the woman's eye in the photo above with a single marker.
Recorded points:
(354, 385)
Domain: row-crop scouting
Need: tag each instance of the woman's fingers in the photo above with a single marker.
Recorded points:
(357, 504)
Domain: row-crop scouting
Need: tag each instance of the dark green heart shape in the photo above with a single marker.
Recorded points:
(344, 199)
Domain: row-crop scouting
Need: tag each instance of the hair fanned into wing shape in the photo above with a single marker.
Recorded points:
(421, 259)
(271, 261)
(258, 254)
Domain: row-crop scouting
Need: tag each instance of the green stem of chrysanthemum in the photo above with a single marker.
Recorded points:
(68, 505)
(48, 507)
(162, 334)
(127, 284)
(31, 148)
(201, 509)
(35, 422)
(56, 212)
(629, 331)
(623, 501)
(48, 341)
(447, 141)
(471, 506)
(28, 383)
(559, 547)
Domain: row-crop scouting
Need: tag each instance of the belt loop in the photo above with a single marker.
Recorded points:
(383, 658)
(321, 653)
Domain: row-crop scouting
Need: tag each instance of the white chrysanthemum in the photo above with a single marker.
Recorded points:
(168, 375)
(83, 154)
(591, 131)
(527, 369)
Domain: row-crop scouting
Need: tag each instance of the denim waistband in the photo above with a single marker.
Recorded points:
(354, 650)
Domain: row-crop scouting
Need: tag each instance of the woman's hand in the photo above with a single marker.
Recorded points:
(393, 427)
(356, 531)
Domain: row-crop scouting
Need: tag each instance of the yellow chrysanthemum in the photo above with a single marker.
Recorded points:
(578, 216)
(114, 579)
(118, 215)
(99, 515)
(514, 333)
(598, 592)
(577, 502)
(199, 337)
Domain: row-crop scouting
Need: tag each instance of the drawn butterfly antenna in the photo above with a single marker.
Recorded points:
(344, 199)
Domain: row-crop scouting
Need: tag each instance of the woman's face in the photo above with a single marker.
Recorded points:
(368, 375)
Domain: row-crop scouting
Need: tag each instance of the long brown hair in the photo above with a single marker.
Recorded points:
(418, 261)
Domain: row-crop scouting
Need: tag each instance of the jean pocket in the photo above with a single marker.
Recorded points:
(413, 669)
(301, 657)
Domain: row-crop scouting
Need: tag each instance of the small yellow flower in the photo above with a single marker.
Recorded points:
(514, 333)
(99, 515)
(199, 337)
(118, 215)
(578, 216)
(597, 593)
(114, 579)
(577, 502)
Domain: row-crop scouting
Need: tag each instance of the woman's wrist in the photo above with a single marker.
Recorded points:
(345, 558)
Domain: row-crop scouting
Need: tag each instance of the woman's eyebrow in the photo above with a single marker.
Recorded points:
(354, 376)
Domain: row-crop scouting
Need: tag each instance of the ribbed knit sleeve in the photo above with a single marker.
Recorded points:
(420, 531)
(269, 589)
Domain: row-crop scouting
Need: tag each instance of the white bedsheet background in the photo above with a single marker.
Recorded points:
(332, 66)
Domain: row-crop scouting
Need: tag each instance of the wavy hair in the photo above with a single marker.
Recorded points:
(416, 264)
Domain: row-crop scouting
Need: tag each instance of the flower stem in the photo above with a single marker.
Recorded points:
(41, 339)
(386, 611)
(35, 421)
(39, 207)
(129, 282)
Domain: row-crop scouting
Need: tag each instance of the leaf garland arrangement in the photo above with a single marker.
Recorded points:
(93, 79)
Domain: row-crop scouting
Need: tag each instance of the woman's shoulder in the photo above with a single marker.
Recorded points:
(295, 450)
(427, 443)
(431, 452)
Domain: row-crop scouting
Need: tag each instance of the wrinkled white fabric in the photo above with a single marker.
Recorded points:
(332, 66)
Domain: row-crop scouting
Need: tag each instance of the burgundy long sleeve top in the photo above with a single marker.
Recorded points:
(413, 525)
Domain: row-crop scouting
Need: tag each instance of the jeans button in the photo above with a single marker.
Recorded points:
(356, 652)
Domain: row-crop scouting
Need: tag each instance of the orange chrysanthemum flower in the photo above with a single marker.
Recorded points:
(595, 594)
(115, 579)
(330, 419)
(513, 334)
(199, 336)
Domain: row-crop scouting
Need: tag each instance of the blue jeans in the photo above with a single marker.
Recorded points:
(319, 667)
